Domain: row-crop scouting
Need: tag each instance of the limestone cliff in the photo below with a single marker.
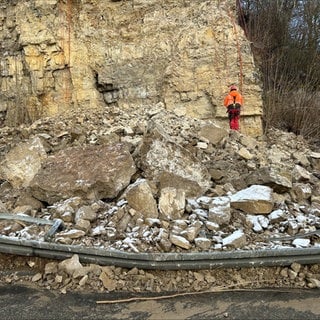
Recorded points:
(57, 55)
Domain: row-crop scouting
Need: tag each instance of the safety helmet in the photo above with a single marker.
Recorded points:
(233, 87)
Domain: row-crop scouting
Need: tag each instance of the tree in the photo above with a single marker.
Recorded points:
(285, 37)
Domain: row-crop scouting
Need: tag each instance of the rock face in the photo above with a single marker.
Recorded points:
(61, 55)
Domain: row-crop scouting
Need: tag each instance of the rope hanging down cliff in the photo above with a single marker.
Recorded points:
(65, 11)
(231, 15)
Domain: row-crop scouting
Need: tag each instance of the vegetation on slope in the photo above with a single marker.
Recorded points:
(285, 37)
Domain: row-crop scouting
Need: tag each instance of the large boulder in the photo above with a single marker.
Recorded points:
(92, 172)
(171, 165)
(22, 162)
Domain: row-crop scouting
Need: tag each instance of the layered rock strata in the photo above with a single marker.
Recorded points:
(60, 55)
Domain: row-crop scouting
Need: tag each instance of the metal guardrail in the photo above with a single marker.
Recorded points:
(56, 224)
(162, 261)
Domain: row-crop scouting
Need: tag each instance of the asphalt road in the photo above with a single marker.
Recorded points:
(26, 303)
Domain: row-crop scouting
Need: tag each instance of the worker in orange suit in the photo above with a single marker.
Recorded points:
(233, 102)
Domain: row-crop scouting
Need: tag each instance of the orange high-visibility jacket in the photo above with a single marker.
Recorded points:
(233, 96)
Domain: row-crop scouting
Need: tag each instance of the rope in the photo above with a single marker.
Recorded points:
(238, 51)
(69, 22)
(66, 14)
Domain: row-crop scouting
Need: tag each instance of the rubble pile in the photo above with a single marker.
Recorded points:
(71, 275)
(151, 181)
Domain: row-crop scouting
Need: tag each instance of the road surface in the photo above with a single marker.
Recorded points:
(26, 303)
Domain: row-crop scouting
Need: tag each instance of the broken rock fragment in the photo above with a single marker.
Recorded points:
(253, 200)
(70, 266)
(91, 172)
(139, 196)
(213, 133)
(167, 162)
(219, 211)
(236, 240)
(172, 203)
(23, 162)
(279, 180)
(180, 241)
